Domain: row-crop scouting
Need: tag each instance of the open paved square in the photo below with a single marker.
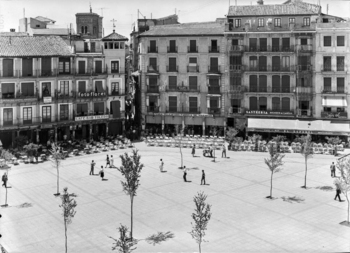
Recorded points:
(243, 220)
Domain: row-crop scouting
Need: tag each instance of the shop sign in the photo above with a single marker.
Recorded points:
(92, 117)
(279, 131)
(91, 94)
(336, 115)
(47, 100)
(257, 112)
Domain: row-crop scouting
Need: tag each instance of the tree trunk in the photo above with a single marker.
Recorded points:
(347, 198)
(132, 203)
(65, 234)
(181, 156)
(6, 196)
(305, 172)
(271, 186)
(58, 180)
(200, 250)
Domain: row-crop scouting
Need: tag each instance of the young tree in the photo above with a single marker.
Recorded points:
(68, 205)
(56, 159)
(334, 141)
(131, 170)
(215, 132)
(5, 154)
(343, 181)
(306, 152)
(274, 163)
(125, 244)
(231, 135)
(180, 133)
(201, 217)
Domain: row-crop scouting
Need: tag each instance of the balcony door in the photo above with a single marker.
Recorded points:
(193, 102)
(115, 109)
(172, 104)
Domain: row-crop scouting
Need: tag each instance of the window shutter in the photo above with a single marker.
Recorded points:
(286, 104)
(285, 83)
(208, 102)
(219, 102)
(147, 101)
(253, 103)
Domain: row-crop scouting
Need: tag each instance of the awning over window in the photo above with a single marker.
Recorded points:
(334, 101)
(99, 86)
(321, 127)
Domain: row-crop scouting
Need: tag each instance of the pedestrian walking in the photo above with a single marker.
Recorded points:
(102, 173)
(112, 162)
(203, 178)
(185, 174)
(193, 149)
(4, 180)
(332, 170)
(108, 162)
(92, 168)
(211, 150)
(338, 191)
(161, 166)
(223, 148)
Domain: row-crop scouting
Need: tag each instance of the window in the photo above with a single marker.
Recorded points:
(276, 84)
(253, 44)
(172, 104)
(277, 22)
(285, 104)
(260, 22)
(7, 67)
(8, 116)
(172, 82)
(327, 41)
(253, 62)
(235, 81)
(340, 109)
(115, 67)
(193, 102)
(115, 88)
(263, 44)
(82, 109)
(81, 67)
(285, 63)
(262, 83)
(327, 109)
(214, 104)
(340, 85)
(27, 67)
(27, 89)
(214, 64)
(153, 46)
(46, 66)
(304, 62)
(153, 103)
(193, 46)
(235, 104)
(340, 41)
(291, 20)
(276, 63)
(46, 113)
(253, 103)
(214, 46)
(99, 108)
(172, 64)
(64, 88)
(81, 86)
(193, 60)
(303, 41)
(82, 29)
(121, 45)
(86, 47)
(262, 103)
(153, 64)
(306, 22)
(172, 46)
(106, 45)
(275, 44)
(46, 89)
(98, 67)
(286, 84)
(27, 115)
(340, 63)
(235, 62)
(262, 63)
(237, 22)
(327, 63)
(110, 45)
(64, 65)
(99, 87)
(193, 82)
(8, 90)
(285, 44)
(153, 83)
(253, 83)
(276, 106)
(116, 45)
(214, 85)
(327, 84)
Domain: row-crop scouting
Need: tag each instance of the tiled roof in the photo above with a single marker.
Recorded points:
(114, 36)
(51, 31)
(291, 8)
(17, 34)
(186, 29)
(33, 46)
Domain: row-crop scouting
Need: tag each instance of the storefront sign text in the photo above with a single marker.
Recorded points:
(270, 113)
(91, 94)
(92, 117)
(47, 99)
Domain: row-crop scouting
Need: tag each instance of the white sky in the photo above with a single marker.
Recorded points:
(125, 12)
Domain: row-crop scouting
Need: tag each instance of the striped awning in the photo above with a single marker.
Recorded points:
(334, 102)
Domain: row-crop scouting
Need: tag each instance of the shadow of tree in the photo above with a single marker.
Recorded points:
(325, 188)
(294, 199)
(25, 205)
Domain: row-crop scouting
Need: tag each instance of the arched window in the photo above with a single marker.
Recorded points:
(253, 83)
(276, 105)
(276, 84)
(263, 103)
(286, 104)
(285, 84)
(253, 103)
(262, 83)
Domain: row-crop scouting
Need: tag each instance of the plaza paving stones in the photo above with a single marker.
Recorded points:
(243, 220)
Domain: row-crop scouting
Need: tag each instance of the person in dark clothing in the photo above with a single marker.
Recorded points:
(108, 162)
(102, 173)
(185, 174)
(333, 170)
(203, 177)
(193, 150)
(92, 167)
(4, 180)
(338, 191)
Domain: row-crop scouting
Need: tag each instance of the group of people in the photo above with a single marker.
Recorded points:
(109, 162)
(338, 187)
(211, 149)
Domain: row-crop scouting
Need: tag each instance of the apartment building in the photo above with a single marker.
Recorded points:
(332, 73)
(183, 77)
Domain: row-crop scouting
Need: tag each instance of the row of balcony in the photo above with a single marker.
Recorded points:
(333, 68)
(19, 122)
(58, 95)
(56, 72)
(190, 49)
(211, 89)
(242, 89)
(291, 48)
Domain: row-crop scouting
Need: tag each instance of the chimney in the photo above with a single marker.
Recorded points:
(260, 2)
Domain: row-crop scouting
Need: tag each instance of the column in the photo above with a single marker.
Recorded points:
(73, 133)
(13, 133)
(55, 134)
(163, 124)
(203, 133)
(123, 126)
(37, 136)
(90, 132)
(183, 122)
(225, 126)
(107, 129)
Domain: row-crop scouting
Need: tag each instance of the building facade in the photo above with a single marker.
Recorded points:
(183, 77)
